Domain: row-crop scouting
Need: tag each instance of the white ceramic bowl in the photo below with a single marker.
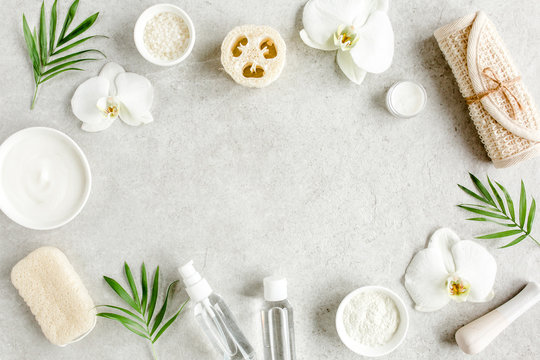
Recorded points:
(146, 16)
(6, 204)
(385, 349)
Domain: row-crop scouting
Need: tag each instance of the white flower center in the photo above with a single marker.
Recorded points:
(109, 107)
(457, 288)
(345, 37)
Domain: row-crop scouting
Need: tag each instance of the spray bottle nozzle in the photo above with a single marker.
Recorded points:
(196, 286)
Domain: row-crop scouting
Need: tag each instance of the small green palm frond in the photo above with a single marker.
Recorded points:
(498, 207)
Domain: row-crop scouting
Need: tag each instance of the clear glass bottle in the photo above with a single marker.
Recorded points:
(215, 318)
(277, 321)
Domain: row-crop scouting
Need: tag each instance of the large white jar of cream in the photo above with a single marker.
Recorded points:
(45, 178)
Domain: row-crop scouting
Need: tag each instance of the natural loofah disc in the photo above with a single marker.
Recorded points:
(253, 55)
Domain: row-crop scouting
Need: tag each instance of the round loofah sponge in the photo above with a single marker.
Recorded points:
(253, 55)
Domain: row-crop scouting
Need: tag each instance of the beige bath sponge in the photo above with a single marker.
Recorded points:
(253, 55)
(55, 294)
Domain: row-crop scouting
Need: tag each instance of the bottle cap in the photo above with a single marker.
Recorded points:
(275, 288)
(196, 286)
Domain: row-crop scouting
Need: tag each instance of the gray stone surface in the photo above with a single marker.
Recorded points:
(310, 178)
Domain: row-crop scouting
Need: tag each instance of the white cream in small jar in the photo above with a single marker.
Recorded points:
(44, 178)
(406, 99)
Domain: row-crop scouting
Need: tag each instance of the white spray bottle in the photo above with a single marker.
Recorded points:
(215, 317)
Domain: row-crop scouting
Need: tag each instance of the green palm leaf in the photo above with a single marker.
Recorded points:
(473, 194)
(144, 283)
(132, 285)
(532, 213)
(118, 289)
(43, 35)
(492, 221)
(133, 315)
(64, 65)
(482, 189)
(31, 45)
(131, 325)
(497, 210)
(58, 73)
(522, 205)
(153, 297)
(169, 322)
(482, 212)
(161, 314)
(42, 45)
(517, 241)
(509, 201)
(500, 234)
(64, 58)
(52, 27)
(497, 196)
(67, 21)
(85, 25)
(139, 323)
(78, 42)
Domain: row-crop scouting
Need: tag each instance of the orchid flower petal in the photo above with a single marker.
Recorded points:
(329, 46)
(443, 240)
(321, 18)
(375, 47)
(110, 71)
(349, 68)
(129, 117)
(101, 125)
(146, 118)
(135, 92)
(83, 102)
(476, 265)
(382, 5)
(425, 280)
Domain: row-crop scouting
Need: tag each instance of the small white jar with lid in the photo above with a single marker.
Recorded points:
(406, 99)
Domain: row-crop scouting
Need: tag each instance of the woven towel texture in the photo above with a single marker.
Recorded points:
(502, 146)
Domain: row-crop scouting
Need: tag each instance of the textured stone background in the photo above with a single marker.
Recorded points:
(310, 178)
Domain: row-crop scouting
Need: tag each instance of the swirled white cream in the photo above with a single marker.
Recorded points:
(44, 178)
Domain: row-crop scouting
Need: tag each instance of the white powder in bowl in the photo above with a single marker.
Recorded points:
(166, 36)
(371, 318)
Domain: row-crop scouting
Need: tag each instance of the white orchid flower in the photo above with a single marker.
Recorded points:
(450, 269)
(115, 93)
(359, 30)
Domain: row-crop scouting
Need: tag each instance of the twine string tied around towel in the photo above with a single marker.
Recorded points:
(502, 86)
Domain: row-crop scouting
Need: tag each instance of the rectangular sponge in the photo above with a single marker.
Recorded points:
(48, 283)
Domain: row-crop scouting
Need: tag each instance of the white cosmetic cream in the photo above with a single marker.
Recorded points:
(406, 99)
(44, 178)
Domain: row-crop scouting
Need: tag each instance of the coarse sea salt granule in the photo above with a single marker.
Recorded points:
(166, 36)
(371, 318)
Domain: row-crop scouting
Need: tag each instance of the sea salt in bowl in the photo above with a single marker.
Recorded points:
(160, 38)
(344, 314)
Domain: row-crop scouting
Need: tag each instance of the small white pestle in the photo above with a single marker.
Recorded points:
(475, 336)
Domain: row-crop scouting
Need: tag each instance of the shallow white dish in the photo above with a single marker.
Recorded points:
(385, 349)
(146, 16)
(70, 157)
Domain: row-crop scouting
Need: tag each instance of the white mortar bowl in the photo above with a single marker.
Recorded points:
(385, 349)
(146, 16)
